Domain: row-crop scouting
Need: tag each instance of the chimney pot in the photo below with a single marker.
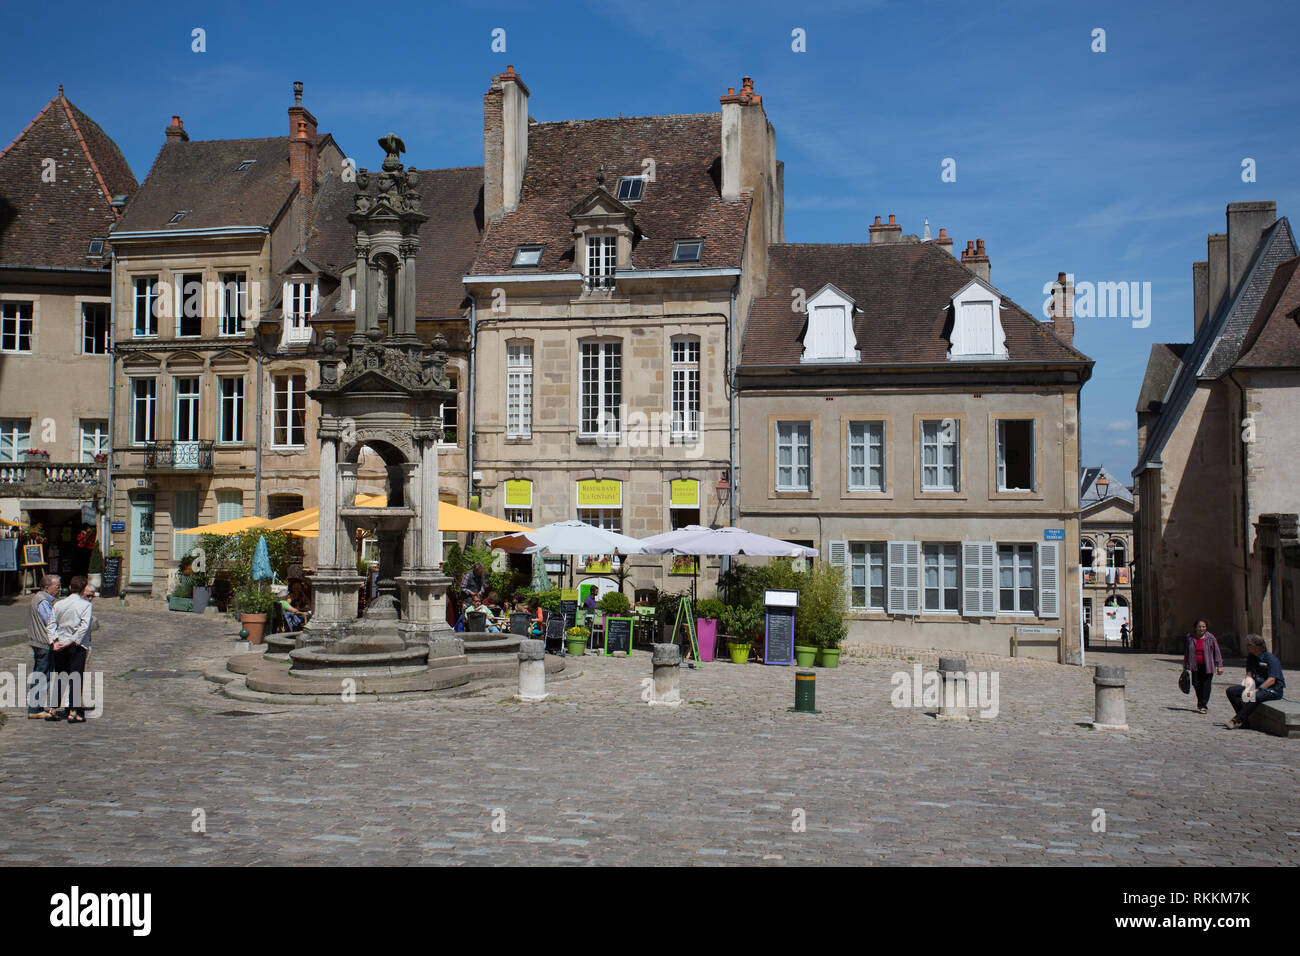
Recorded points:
(979, 247)
(176, 131)
(891, 219)
(1060, 277)
(877, 222)
(731, 91)
(297, 93)
(943, 233)
(747, 84)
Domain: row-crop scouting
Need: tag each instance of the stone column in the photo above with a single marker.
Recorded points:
(363, 290)
(327, 516)
(532, 671)
(407, 326)
(951, 671)
(430, 536)
(666, 660)
(336, 581)
(1110, 712)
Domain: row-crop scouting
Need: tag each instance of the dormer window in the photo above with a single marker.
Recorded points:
(687, 250)
(829, 336)
(630, 188)
(300, 303)
(527, 256)
(977, 331)
(180, 214)
(602, 255)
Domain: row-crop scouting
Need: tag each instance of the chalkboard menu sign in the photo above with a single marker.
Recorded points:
(569, 612)
(555, 633)
(33, 555)
(778, 647)
(112, 571)
(618, 634)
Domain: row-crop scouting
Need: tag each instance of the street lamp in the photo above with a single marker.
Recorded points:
(1103, 485)
(723, 489)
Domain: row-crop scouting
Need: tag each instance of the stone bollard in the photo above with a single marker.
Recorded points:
(667, 662)
(949, 670)
(1109, 681)
(532, 671)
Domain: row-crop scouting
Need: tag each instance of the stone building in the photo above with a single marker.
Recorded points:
(63, 182)
(1216, 427)
(607, 299)
(1106, 510)
(901, 415)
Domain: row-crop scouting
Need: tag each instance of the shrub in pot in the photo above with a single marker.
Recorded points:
(708, 612)
(575, 639)
(742, 624)
(95, 569)
(830, 634)
(201, 582)
(182, 596)
(614, 603)
(255, 603)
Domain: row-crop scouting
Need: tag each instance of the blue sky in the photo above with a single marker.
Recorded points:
(1113, 166)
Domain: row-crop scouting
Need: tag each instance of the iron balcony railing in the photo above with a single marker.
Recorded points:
(178, 456)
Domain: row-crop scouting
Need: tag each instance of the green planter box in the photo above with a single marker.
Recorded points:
(179, 603)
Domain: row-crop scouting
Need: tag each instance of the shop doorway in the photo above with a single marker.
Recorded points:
(140, 546)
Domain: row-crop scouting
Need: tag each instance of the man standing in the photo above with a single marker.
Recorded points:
(69, 635)
(38, 685)
(474, 582)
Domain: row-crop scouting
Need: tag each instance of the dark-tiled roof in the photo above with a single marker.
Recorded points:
(1270, 254)
(1162, 363)
(204, 177)
(1274, 338)
(453, 201)
(51, 224)
(1090, 494)
(683, 202)
(904, 291)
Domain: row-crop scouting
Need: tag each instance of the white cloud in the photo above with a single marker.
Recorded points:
(1118, 426)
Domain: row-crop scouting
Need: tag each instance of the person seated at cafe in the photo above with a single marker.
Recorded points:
(476, 606)
(536, 621)
(590, 603)
(296, 607)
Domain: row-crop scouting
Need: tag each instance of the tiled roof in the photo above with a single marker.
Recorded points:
(904, 291)
(683, 202)
(51, 224)
(1273, 340)
(1162, 363)
(1271, 252)
(453, 201)
(1090, 494)
(204, 178)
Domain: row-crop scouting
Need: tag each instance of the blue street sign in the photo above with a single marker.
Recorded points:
(119, 525)
(1053, 534)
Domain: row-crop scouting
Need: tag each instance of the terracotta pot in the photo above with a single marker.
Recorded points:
(255, 624)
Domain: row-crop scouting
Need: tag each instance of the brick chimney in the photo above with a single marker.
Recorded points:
(1200, 295)
(1216, 253)
(302, 147)
(505, 143)
(882, 233)
(944, 241)
(749, 165)
(176, 131)
(1246, 224)
(1063, 308)
(974, 258)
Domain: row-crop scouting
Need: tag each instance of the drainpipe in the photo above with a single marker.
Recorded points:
(1245, 507)
(257, 458)
(469, 402)
(106, 535)
(733, 471)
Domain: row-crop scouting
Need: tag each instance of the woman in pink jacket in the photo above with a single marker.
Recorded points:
(1203, 660)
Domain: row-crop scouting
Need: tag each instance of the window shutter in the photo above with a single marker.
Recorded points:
(978, 577)
(287, 300)
(837, 552)
(904, 588)
(1049, 602)
(315, 292)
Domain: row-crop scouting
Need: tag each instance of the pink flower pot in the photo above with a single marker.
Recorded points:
(706, 633)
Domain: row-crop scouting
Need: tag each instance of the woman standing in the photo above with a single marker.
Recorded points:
(1203, 660)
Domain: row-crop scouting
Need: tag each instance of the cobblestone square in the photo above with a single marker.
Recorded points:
(594, 775)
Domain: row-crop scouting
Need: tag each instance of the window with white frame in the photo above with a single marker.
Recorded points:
(185, 514)
(15, 438)
(448, 412)
(977, 330)
(601, 387)
(146, 305)
(187, 409)
(189, 305)
(602, 254)
(941, 577)
(686, 387)
(519, 389)
(94, 438)
(1016, 466)
(1087, 553)
(94, 328)
(793, 456)
(866, 456)
(299, 302)
(234, 302)
(1016, 590)
(519, 501)
(529, 255)
(829, 335)
(15, 326)
(230, 412)
(610, 519)
(940, 455)
(867, 575)
(688, 250)
(144, 400)
(289, 427)
(1116, 554)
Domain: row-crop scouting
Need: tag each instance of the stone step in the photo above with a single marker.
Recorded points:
(1281, 718)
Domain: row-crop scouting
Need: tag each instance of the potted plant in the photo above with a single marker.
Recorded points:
(829, 636)
(742, 623)
(707, 614)
(575, 638)
(201, 582)
(182, 597)
(95, 569)
(255, 602)
(613, 604)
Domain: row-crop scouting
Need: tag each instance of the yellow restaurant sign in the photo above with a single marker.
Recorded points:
(519, 493)
(600, 494)
(685, 493)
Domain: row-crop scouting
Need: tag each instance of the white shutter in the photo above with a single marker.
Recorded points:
(287, 300)
(978, 578)
(837, 552)
(1049, 602)
(904, 577)
(315, 292)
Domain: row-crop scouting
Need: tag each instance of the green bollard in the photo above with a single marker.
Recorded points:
(805, 693)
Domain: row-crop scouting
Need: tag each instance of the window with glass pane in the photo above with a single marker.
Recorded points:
(15, 438)
(686, 387)
(299, 304)
(146, 299)
(1016, 455)
(448, 412)
(793, 456)
(866, 456)
(230, 504)
(602, 254)
(230, 428)
(94, 438)
(144, 396)
(940, 576)
(185, 514)
(289, 429)
(611, 519)
(1016, 578)
(234, 302)
(519, 389)
(189, 305)
(867, 575)
(940, 443)
(523, 516)
(187, 409)
(601, 387)
(94, 328)
(15, 326)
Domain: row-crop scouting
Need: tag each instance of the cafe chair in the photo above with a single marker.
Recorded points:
(519, 623)
(476, 621)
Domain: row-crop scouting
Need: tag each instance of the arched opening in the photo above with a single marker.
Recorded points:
(1087, 553)
(1116, 554)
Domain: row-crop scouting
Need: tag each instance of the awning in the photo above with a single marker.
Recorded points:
(233, 526)
(306, 523)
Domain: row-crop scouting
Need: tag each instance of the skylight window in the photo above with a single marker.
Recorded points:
(96, 247)
(180, 214)
(527, 256)
(245, 165)
(630, 188)
(687, 250)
